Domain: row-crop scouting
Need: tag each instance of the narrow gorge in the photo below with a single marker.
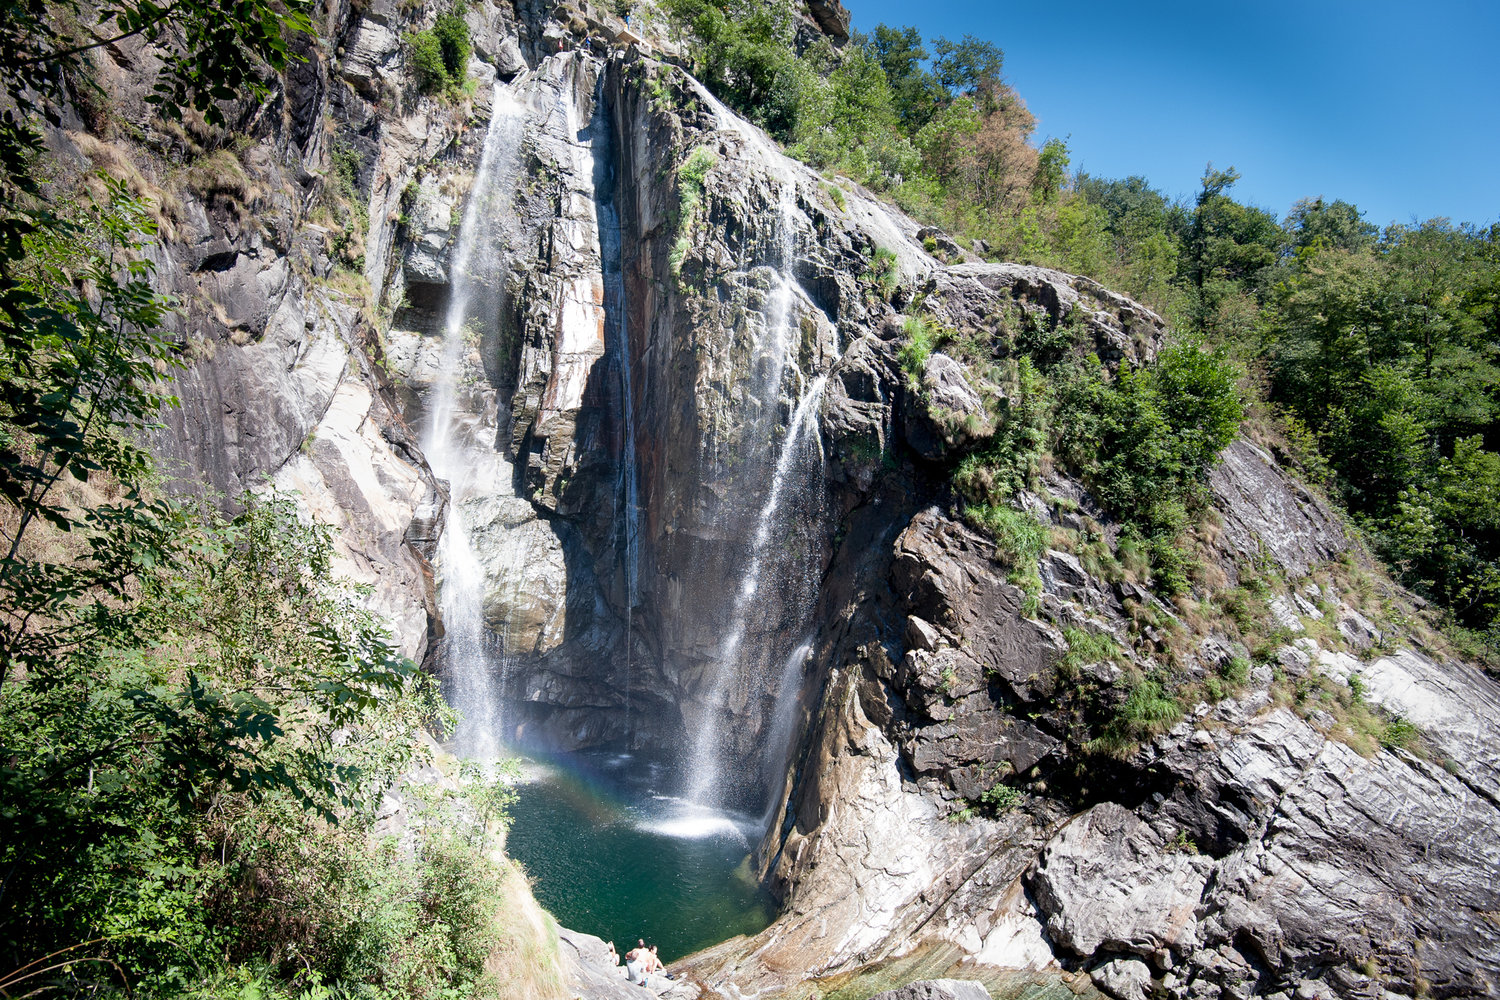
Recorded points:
(614, 408)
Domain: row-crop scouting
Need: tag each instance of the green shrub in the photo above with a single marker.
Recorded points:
(439, 56)
(452, 34)
(690, 177)
(1169, 565)
(424, 54)
(1237, 671)
(1356, 688)
(1000, 797)
(1147, 711)
(1399, 734)
(884, 273)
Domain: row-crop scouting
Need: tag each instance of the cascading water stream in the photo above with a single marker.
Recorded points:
(779, 738)
(452, 434)
(707, 774)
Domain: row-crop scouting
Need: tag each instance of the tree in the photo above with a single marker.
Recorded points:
(1336, 225)
(1051, 169)
(915, 93)
(971, 66)
(1228, 247)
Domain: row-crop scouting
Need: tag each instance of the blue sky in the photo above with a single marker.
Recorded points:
(1393, 106)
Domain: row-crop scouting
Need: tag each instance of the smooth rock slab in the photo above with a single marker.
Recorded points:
(937, 989)
(1268, 513)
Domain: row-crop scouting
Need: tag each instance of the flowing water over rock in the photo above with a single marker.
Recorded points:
(793, 487)
(459, 443)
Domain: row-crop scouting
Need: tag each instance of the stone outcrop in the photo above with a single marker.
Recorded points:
(1245, 850)
(1266, 512)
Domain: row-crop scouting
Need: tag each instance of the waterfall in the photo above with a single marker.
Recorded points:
(456, 429)
(707, 751)
(779, 738)
(617, 344)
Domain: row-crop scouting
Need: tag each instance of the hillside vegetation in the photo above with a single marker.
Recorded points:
(1366, 357)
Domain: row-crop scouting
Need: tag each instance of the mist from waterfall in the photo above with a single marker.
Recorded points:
(456, 430)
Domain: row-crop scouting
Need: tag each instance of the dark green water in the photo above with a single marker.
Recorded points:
(610, 856)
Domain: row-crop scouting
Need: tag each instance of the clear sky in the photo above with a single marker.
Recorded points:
(1392, 106)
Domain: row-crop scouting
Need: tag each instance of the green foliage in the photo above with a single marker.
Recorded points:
(1146, 711)
(1399, 734)
(439, 56)
(1146, 439)
(75, 368)
(884, 272)
(970, 66)
(915, 93)
(222, 679)
(1008, 459)
(744, 54)
(378, 921)
(690, 178)
(1385, 351)
(452, 33)
(861, 110)
(1329, 225)
(1051, 170)
(1237, 672)
(1087, 647)
(915, 350)
(1181, 844)
(424, 54)
(1000, 797)
(1020, 539)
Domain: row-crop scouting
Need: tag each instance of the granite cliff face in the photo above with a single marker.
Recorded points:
(707, 499)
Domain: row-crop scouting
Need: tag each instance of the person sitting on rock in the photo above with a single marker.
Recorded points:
(638, 963)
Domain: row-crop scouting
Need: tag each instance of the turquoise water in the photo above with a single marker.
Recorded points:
(609, 855)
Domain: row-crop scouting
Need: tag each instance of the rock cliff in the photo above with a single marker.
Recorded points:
(709, 496)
